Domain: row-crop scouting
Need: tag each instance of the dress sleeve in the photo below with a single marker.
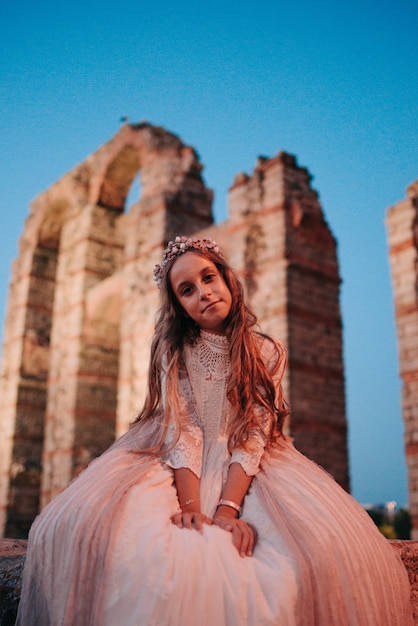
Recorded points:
(184, 435)
(275, 357)
(250, 459)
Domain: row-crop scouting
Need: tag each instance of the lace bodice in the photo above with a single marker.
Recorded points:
(207, 364)
(212, 353)
(207, 411)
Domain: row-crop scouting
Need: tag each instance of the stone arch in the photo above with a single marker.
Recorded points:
(118, 179)
(76, 287)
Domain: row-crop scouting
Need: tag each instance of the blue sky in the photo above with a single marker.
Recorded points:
(334, 83)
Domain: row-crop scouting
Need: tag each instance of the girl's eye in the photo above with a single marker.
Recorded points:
(208, 277)
(186, 291)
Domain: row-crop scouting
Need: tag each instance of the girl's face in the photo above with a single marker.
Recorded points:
(201, 291)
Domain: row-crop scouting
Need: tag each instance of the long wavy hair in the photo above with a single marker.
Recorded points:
(250, 383)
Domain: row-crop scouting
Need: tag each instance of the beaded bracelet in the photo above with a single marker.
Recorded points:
(231, 504)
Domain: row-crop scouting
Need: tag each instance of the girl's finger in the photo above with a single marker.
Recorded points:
(197, 520)
(177, 520)
(246, 543)
(237, 537)
(187, 520)
(200, 519)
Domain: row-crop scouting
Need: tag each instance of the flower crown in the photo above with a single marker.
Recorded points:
(180, 245)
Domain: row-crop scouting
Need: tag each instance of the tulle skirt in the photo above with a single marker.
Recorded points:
(105, 553)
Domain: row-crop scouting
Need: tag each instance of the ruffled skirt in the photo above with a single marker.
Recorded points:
(105, 553)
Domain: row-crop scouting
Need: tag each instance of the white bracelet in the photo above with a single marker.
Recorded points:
(188, 502)
(231, 504)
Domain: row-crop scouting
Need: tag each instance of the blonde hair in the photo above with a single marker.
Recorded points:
(250, 382)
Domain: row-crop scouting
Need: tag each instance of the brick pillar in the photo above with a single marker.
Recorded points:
(83, 369)
(279, 241)
(402, 228)
(23, 385)
(174, 201)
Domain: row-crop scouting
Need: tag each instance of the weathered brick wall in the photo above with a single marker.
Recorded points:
(402, 227)
(82, 305)
(280, 243)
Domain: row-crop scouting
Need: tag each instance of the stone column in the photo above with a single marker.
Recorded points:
(23, 385)
(402, 228)
(174, 201)
(83, 368)
(280, 242)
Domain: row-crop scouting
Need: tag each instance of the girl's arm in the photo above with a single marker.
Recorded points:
(235, 490)
(244, 464)
(237, 484)
(187, 485)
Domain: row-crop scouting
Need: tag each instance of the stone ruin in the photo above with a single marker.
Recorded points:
(82, 305)
(402, 228)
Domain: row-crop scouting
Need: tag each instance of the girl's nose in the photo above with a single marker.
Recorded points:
(204, 291)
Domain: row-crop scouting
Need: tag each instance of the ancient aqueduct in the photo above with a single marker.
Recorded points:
(82, 303)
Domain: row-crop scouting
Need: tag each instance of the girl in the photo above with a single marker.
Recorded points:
(204, 512)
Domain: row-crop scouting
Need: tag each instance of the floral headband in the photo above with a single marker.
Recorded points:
(180, 245)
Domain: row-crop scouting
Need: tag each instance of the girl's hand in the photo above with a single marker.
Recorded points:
(244, 536)
(191, 519)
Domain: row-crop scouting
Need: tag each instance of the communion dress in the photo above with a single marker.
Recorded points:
(105, 553)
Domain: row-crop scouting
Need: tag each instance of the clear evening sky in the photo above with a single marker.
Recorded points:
(334, 83)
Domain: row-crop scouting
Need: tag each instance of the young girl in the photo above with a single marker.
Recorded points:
(204, 512)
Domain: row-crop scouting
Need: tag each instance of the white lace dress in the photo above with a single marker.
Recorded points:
(105, 552)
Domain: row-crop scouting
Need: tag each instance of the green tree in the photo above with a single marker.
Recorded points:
(388, 531)
(403, 524)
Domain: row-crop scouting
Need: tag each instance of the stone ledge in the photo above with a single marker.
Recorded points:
(12, 558)
(408, 551)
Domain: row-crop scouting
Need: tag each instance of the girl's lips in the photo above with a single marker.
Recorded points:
(210, 305)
